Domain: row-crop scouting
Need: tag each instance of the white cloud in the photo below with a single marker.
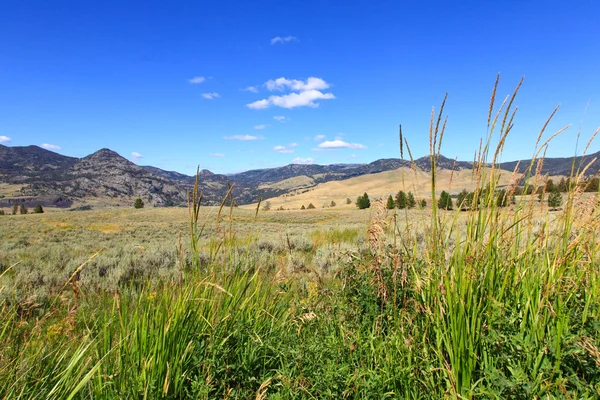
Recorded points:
(285, 149)
(197, 79)
(340, 144)
(319, 138)
(50, 146)
(210, 96)
(259, 127)
(300, 160)
(302, 94)
(292, 100)
(281, 119)
(252, 89)
(217, 154)
(136, 155)
(243, 137)
(283, 39)
(5, 139)
(282, 83)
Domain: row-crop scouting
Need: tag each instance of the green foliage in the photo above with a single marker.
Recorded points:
(464, 200)
(139, 203)
(401, 200)
(390, 205)
(503, 198)
(38, 209)
(423, 203)
(23, 210)
(310, 206)
(554, 199)
(445, 201)
(410, 200)
(363, 202)
(563, 186)
(549, 186)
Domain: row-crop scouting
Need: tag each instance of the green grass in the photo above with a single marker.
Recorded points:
(488, 303)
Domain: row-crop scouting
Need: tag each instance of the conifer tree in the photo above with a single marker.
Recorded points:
(390, 203)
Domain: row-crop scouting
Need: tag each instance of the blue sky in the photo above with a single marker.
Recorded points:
(180, 84)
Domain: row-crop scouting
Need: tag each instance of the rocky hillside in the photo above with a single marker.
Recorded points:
(105, 174)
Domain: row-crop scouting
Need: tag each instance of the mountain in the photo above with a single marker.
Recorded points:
(59, 180)
(559, 165)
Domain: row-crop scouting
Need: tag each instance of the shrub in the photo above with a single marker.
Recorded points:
(139, 203)
(363, 202)
(267, 206)
(303, 208)
(423, 203)
(410, 200)
(401, 200)
(390, 203)
(23, 210)
(555, 199)
(348, 201)
(445, 201)
(332, 204)
(15, 208)
(2, 212)
(38, 209)
(310, 206)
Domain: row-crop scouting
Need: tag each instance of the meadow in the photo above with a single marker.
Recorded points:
(492, 302)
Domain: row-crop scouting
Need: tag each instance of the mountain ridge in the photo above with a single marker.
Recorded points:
(105, 173)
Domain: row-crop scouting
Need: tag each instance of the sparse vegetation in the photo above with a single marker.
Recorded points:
(139, 203)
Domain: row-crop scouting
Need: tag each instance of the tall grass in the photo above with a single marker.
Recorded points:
(495, 302)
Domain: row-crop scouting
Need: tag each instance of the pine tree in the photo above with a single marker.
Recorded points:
(23, 210)
(38, 209)
(461, 201)
(390, 203)
(410, 200)
(502, 198)
(310, 206)
(445, 201)
(423, 203)
(363, 201)
(303, 208)
(555, 199)
(401, 200)
(549, 186)
(562, 186)
(139, 203)
(15, 208)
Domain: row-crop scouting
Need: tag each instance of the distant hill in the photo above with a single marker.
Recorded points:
(558, 165)
(106, 174)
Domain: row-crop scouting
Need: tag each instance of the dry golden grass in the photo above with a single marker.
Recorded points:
(381, 185)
